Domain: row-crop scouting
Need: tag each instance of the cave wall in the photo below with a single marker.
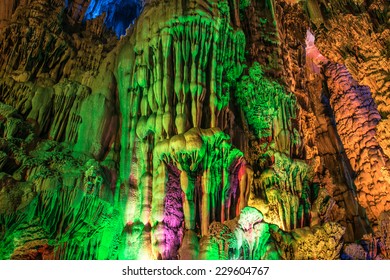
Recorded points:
(204, 130)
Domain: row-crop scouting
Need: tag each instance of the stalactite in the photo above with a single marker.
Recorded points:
(168, 79)
(285, 188)
(67, 216)
(204, 153)
(211, 129)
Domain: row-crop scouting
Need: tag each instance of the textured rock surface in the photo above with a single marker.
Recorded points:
(209, 130)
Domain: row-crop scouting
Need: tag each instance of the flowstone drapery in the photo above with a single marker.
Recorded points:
(214, 180)
(202, 129)
(284, 193)
(176, 78)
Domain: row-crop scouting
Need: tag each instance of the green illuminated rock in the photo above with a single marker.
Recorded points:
(210, 130)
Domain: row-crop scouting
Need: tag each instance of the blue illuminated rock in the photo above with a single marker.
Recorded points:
(119, 13)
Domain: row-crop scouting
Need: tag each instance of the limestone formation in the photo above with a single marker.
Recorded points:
(199, 129)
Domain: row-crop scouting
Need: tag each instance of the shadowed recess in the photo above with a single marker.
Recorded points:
(119, 13)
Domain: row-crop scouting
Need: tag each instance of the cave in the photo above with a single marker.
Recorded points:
(194, 130)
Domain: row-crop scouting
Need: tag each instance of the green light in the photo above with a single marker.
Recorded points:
(262, 100)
